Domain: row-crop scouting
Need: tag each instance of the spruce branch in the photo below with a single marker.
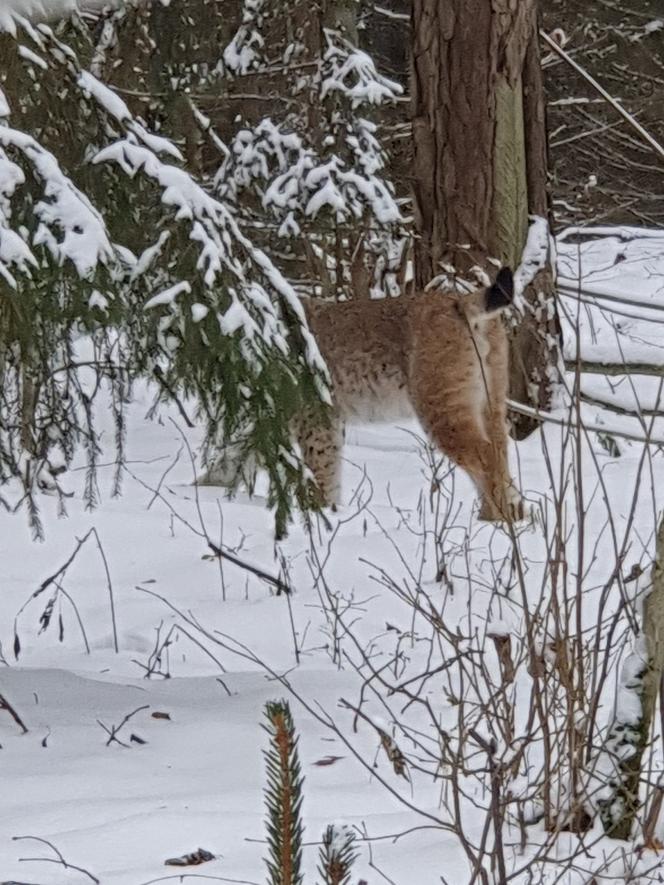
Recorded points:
(283, 795)
(337, 855)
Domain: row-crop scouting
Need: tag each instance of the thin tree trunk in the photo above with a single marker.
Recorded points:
(643, 673)
(536, 343)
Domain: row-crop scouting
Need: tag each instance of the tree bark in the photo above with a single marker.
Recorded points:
(643, 675)
(536, 342)
(479, 143)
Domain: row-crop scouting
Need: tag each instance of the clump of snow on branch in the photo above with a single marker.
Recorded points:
(112, 103)
(245, 51)
(536, 254)
(297, 184)
(14, 251)
(70, 227)
(214, 230)
(311, 186)
(353, 73)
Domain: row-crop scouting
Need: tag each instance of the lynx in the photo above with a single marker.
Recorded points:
(443, 353)
(446, 354)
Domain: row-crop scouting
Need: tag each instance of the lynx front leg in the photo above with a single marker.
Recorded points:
(485, 460)
(228, 467)
(321, 449)
(501, 501)
(449, 393)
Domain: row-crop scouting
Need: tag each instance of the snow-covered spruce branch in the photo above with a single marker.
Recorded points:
(59, 276)
(68, 225)
(214, 230)
(297, 185)
(316, 176)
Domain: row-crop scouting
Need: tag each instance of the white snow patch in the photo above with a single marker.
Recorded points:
(32, 57)
(168, 296)
(199, 312)
(535, 255)
(98, 300)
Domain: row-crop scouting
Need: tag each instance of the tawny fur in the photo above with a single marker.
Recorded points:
(440, 351)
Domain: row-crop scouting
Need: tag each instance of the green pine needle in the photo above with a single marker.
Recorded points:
(337, 855)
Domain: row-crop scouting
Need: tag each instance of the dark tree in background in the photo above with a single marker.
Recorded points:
(622, 45)
(601, 171)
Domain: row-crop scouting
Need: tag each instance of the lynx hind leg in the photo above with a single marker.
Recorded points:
(503, 501)
(321, 450)
(476, 445)
(505, 505)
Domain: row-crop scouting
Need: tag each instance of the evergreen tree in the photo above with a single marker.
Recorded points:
(311, 175)
(115, 261)
(301, 167)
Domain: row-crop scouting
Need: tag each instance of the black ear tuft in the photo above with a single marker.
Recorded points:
(502, 292)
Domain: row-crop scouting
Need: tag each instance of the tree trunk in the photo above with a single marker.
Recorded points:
(642, 677)
(479, 142)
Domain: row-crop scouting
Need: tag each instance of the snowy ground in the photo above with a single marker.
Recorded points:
(196, 777)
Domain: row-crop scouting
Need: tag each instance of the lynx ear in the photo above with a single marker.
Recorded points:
(501, 293)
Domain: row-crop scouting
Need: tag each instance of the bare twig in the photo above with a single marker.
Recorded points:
(548, 418)
(161, 380)
(56, 580)
(280, 585)
(112, 732)
(59, 859)
(109, 585)
(5, 705)
(645, 135)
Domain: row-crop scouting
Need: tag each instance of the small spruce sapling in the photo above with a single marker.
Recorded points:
(283, 797)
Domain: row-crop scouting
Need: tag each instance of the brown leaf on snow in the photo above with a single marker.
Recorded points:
(190, 860)
(394, 754)
(158, 715)
(327, 760)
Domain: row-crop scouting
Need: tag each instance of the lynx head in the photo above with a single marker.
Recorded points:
(482, 305)
(500, 295)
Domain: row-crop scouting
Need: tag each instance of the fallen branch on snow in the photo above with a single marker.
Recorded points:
(548, 418)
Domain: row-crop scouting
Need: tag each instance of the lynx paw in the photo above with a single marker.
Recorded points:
(510, 509)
